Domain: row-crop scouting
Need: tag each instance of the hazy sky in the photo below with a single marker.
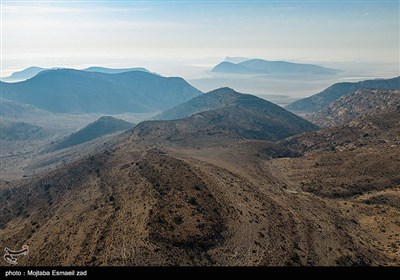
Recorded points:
(162, 34)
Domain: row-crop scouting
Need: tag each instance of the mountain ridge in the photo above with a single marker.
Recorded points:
(320, 100)
(360, 103)
(69, 90)
(32, 71)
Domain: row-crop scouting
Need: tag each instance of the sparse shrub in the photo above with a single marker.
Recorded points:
(160, 218)
(192, 200)
(178, 220)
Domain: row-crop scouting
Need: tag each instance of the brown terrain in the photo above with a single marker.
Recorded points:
(326, 197)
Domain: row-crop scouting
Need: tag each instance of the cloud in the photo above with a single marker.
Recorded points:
(48, 8)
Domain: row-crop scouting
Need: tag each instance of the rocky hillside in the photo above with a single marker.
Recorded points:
(360, 103)
(324, 98)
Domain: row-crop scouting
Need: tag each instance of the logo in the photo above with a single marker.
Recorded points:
(11, 256)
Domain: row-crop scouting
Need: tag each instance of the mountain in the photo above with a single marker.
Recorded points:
(324, 98)
(23, 74)
(114, 70)
(284, 67)
(68, 90)
(260, 66)
(103, 126)
(236, 116)
(357, 104)
(231, 68)
(212, 100)
(20, 131)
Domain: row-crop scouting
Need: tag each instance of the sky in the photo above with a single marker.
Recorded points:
(165, 36)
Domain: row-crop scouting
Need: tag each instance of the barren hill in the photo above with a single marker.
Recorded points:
(237, 116)
(103, 126)
(215, 99)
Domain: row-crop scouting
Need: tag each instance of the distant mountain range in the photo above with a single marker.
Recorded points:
(31, 72)
(114, 70)
(76, 91)
(236, 116)
(260, 66)
(232, 68)
(24, 74)
(103, 126)
(361, 103)
(324, 98)
(236, 59)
